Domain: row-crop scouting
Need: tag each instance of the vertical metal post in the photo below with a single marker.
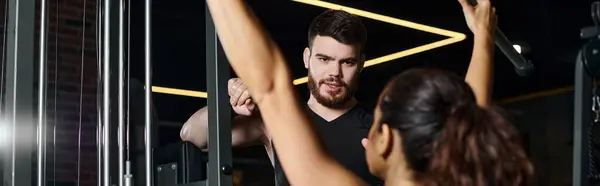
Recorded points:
(121, 95)
(41, 130)
(147, 92)
(100, 93)
(219, 118)
(19, 108)
(106, 59)
(125, 176)
(583, 118)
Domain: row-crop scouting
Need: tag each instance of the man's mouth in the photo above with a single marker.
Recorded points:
(333, 87)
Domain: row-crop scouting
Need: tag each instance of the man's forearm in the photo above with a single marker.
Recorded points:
(245, 130)
(480, 73)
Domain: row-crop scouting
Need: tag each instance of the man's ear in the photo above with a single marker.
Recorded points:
(306, 57)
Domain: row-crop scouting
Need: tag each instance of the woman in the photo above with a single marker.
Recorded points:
(429, 129)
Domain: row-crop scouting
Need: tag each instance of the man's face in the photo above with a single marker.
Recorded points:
(333, 70)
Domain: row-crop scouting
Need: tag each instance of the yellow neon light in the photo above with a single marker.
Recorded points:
(180, 92)
(454, 37)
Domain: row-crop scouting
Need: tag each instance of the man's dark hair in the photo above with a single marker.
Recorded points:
(341, 26)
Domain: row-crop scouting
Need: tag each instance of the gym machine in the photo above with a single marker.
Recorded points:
(587, 70)
(186, 166)
(175, 164)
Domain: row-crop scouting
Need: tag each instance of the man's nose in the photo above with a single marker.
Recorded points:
(334, 69)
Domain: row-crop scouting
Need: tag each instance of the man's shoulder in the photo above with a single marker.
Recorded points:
(364, 111)
(364, 114)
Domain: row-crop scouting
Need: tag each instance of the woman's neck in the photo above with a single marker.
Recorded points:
(400, 183)
(399, 176)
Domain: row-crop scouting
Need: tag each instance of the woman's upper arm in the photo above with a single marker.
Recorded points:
(480, 73)
(339, 176)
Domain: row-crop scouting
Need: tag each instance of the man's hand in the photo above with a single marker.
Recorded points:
(481, 18)
(239, 97)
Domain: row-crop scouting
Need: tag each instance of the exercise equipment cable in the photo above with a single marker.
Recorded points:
(55, 118)
(81, 79)
(99, 126)
(128, 153)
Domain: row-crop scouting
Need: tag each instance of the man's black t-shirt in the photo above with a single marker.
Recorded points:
(342, 138)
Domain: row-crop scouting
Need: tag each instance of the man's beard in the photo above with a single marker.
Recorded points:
(336, 101)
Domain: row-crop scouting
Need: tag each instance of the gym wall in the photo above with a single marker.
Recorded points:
(546, 123)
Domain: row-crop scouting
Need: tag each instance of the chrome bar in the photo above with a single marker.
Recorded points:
(106, 92)
(41, 130)
(147, 93)
(121, 102)
(100, 126)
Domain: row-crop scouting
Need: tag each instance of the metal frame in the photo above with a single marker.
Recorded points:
(219, 118)
(583, 118)
(19, 106)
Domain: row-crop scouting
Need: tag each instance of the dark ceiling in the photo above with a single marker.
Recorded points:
(549, 27)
